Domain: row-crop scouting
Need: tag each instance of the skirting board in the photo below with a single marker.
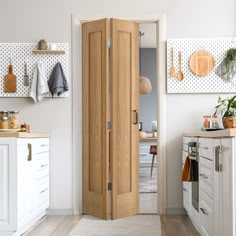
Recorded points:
(60, 212)
(176, 211)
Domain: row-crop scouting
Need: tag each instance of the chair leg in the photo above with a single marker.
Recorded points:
(153, 158)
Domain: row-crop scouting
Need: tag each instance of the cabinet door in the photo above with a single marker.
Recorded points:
(7, 184)
(27, 189)
(224, 189)
(124, 117)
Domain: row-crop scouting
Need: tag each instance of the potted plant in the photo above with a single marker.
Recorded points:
(227, 108)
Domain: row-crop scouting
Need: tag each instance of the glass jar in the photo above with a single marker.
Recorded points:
(13, 119)
(206, 122)
(3, 114)
(4, 122)
(214, 122)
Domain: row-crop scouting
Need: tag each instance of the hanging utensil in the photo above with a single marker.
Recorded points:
(172, 69)
(10, 81)
(26, 76)
(180, 75)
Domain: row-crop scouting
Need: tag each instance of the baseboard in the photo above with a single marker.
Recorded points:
(175, 211)
(60, 212)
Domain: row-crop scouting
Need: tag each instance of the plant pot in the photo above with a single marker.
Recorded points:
(229, 122)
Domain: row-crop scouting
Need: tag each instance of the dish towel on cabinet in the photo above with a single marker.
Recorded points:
(39, 86)
(190, 170)
(57, 82)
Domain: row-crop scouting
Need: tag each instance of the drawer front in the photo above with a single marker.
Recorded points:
(43, 190)
(206, 176)
(206, 148)
(206, 215)
(41, 167)
(40, 145)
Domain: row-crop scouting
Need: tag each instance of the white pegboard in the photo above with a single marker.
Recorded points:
(193, 83)
(21, 52)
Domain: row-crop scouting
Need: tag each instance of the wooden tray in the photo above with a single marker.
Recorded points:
(201, 63)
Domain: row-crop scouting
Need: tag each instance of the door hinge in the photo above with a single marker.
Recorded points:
(109, 125)
(109, 43)
(109, 186)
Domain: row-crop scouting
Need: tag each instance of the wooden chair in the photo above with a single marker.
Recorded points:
(153, 151)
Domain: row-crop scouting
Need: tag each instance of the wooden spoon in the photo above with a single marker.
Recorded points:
(180, 75)
(172, 69)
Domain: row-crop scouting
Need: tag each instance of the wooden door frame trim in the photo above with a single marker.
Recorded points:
(76, 85)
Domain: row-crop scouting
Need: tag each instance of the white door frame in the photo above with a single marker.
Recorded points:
(76, 84)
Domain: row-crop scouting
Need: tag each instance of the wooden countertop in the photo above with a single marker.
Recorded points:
(22, 135)
(148, 139)
(212, 134)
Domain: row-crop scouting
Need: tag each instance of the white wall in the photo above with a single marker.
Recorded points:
(29, 21)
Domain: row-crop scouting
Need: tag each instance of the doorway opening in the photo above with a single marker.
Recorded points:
(76, 84)
(148, 121)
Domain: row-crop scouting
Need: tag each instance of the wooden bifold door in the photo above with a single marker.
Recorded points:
(110, 118)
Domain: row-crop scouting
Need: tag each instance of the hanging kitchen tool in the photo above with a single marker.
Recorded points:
(26, 76)
(10, 81)
(227, 68)
(172, 69)
(180, 75)
(201, 63)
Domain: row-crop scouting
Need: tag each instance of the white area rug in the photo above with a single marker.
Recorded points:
(138, 225)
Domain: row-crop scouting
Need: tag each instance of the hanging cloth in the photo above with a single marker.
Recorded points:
(57, 82)
(39, 85)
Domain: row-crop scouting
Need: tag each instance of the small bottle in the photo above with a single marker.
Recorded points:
(206, 122)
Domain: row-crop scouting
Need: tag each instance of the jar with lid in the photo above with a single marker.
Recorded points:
(13, 119)
(4, 122)
(3, 114)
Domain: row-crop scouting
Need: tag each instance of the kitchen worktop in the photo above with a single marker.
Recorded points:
(22, 135)
(212, 134)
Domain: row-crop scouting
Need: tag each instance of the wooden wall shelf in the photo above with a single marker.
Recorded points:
(36, 51)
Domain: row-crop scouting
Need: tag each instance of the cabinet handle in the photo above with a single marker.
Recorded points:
(43, 191)
(43, 165)
(204, 211)
(185, 190)
(204, 176)
(43, 145)
(30, 152)
(217, 158)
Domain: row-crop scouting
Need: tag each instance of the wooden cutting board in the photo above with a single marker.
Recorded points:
(10, 81)
(201, 63)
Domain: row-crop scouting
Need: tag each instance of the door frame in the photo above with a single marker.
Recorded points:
(76, 85)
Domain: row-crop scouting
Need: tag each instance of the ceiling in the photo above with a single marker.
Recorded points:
(148, 40)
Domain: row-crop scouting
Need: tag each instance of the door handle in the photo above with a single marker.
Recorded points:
(217, 159)
(30, 152)
(135, 117)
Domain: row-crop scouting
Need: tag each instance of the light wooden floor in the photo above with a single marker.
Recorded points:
(172, 225)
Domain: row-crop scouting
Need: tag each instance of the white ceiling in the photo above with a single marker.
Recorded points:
(148, 40)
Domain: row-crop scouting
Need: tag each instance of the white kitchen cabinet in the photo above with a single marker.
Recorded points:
(217, 186)
(24, 183)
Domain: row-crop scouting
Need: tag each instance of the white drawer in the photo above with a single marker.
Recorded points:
(206, 215)
(43, 190)
(40, 145)
(41, 167)
(206, 176)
